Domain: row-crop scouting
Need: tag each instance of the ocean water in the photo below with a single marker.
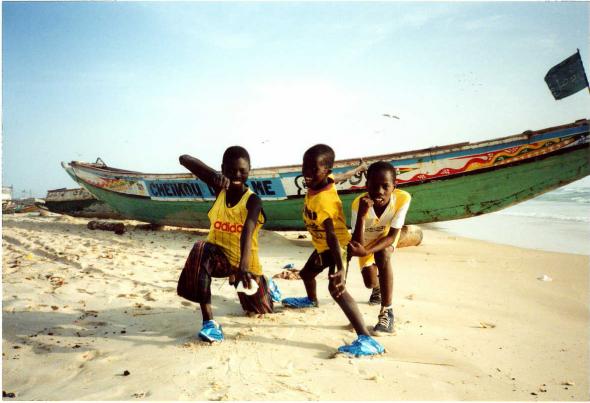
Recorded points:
(557, 221)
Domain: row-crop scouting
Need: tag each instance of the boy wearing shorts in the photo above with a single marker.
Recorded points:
(324, 219)
(377, 219)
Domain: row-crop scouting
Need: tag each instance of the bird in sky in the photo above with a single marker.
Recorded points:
(387, 115)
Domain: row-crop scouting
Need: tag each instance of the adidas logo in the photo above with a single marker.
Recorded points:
(228, 227)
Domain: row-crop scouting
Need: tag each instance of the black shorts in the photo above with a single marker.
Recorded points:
(318, 261)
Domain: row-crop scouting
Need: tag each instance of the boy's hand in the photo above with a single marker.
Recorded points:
(221, 181)
(356, 249)
(338, 282)
(364, 205)
(244, 277)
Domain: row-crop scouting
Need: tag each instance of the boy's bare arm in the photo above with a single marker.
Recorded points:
(356, 246)
(384, 242)
(334, 245)
(254, 206)
(339, 178)
(204, 172)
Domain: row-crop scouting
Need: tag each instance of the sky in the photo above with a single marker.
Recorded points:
(140, 83)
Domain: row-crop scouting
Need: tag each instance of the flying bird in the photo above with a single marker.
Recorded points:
(387, 115)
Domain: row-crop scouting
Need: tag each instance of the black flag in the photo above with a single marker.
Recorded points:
(567, 78)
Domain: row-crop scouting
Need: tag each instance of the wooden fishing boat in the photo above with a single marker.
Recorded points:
(77, 203)
(446, 183)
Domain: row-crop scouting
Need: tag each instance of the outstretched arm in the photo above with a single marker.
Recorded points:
(204, 172)
(254, 207)
(339, 178)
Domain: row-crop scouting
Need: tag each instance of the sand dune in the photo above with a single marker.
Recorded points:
(90, 315)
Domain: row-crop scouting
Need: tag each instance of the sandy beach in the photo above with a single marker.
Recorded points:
(90, 315)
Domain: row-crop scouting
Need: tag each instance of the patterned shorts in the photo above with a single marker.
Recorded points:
(207, 260)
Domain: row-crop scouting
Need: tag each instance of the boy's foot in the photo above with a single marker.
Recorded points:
(363, 345)
(273, 289)
(211, 332)
(302, 302)
(384, 325)
(375, 297)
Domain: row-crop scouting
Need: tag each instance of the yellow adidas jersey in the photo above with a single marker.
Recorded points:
(318, 206)
(393, 216)
(226, 230)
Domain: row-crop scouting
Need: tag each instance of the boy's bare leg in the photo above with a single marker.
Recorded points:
(206, 312)
(309, 281)
(370, 277)
(383, 260)
(350, 309)
(348, 306)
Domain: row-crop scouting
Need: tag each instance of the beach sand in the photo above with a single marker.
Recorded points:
(90, 315)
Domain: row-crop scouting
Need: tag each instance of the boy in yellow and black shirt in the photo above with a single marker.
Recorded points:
(324, 219)
(231, 249)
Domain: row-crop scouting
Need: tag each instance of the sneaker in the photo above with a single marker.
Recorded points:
(375, 297)
(363, 345)
(302, 302)
(385, 322)
(273, 289)
(211, 332)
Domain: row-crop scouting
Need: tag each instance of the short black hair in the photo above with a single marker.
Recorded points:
(235, 152)
(381, 166)
(321, 150)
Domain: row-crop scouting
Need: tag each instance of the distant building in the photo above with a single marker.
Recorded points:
(6, 193)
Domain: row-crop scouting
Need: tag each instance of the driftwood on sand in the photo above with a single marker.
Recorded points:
(118, 228)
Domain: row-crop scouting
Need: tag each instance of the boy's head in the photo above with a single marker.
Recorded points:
(380, 182)
(235, 165)
(317, 165)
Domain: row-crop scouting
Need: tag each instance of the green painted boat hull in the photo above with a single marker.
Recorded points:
(440, 200)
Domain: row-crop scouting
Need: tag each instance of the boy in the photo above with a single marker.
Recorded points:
(377, 219)
(231, 249)
(324, 219)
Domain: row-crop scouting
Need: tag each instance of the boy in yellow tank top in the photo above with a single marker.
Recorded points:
(377, 219)
(231, 249)
(324, 219)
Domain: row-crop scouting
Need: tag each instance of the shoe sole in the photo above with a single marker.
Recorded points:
(381, 333)
(298, 307)
(351, 355)
(208, 339)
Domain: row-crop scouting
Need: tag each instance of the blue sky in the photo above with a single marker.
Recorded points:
(139, 84)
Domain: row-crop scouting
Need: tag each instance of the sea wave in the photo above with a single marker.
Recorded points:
(573, 195)
(547, 216)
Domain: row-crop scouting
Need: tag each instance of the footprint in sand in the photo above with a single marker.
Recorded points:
(148, 297)
(140, 395)
(89, 356)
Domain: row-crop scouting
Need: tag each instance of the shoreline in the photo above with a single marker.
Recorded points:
(473, 322)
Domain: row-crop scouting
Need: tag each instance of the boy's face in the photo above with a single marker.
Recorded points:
(315, 171)
(236, 171)
(380, 185)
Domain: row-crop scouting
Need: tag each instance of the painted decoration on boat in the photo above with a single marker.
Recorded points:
(115, 184)
(282, 183)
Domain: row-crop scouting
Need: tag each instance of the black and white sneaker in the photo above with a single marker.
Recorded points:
(375, 297)
(384, 325)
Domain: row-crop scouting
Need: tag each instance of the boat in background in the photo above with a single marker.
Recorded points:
(8, 205)
(77, 203)
(446, 183)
